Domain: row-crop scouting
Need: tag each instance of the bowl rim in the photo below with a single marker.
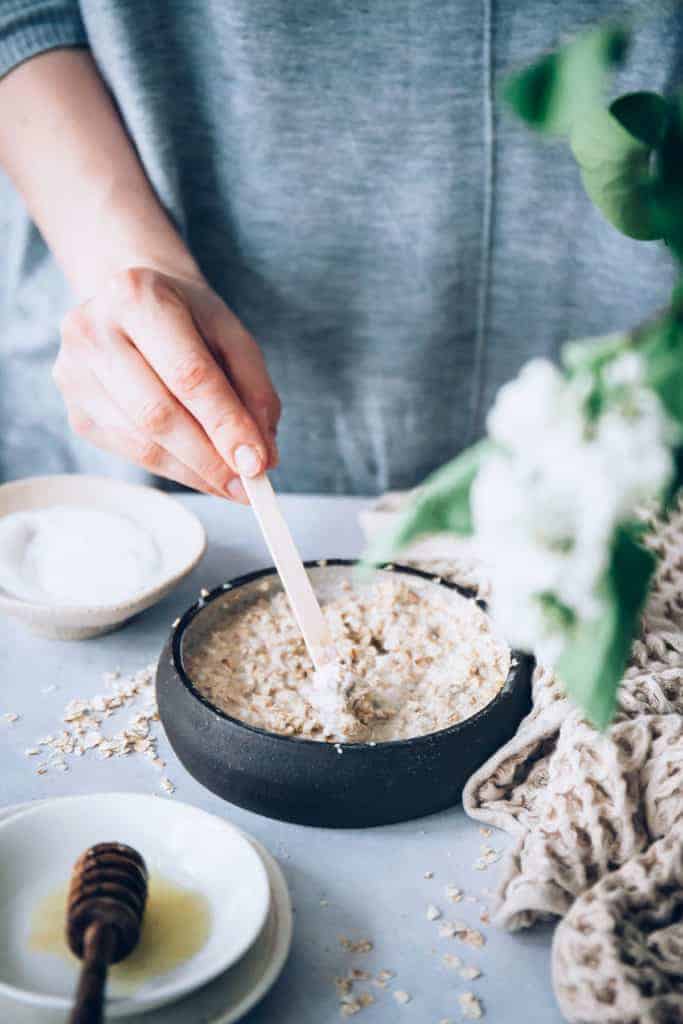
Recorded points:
(519, 661)
(69, 612)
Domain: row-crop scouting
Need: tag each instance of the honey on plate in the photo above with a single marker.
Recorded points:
(176, 926)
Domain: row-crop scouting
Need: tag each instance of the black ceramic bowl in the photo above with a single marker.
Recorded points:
(317, 783)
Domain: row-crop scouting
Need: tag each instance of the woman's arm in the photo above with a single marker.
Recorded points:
(152, 364)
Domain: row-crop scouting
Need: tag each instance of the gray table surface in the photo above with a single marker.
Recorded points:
(373, 879)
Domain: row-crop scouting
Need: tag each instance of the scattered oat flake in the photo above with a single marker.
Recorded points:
(324, 903)
(453, 893)
(470, 1006)
(428, 874)
(446, 1020)
(485, 832)
(485, 917)
(451, 960)
(433, 913)
(446, 930)
(402, 997)
(11, 716)
(31, 751)
(366, 998)
(167, 785)
(350, 1009)
(357, 974)
(469, 973)
(343, 986)
(383, 978)
(82, 734)
(204, 592)
(473, 938)
(360, 946)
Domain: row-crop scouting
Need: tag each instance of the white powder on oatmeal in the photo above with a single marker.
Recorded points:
(414, 658)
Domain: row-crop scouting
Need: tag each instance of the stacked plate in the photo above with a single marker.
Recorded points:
(239, 885)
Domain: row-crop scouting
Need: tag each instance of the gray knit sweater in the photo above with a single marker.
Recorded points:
(345, 177)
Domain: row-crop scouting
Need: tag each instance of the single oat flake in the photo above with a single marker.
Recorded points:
(470, 1006)
(470, 973)
(402, 997)
(451, 960)
(360, 946)
(453, 893)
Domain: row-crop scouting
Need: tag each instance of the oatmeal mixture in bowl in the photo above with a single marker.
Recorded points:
(415, 657)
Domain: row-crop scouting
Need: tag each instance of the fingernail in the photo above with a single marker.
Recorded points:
(247, 460)
(237, 492)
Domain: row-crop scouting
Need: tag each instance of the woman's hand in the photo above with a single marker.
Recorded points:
(157, 369)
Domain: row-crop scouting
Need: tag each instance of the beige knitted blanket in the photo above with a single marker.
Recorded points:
(598, 821)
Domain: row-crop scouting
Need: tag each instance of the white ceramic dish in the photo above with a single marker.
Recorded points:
(178, 534)
(181, 843)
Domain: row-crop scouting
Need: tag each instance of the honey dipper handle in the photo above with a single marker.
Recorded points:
(98, 946)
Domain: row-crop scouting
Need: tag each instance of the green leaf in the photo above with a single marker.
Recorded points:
(667, 202)
(616, 173)
(442, 505)
(531, 92)
(671, 496)
(662, 348)
(590, 355)
(644, 115)
(556, 90)
(595, 657)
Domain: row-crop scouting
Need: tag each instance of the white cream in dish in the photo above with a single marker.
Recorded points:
(75, 555)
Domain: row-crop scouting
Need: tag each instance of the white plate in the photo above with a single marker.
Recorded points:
(178, 534)
(222, 1001)
(181, 843)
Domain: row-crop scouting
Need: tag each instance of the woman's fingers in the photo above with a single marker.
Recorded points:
(156, 317)
(143, 453)
(243, 361)
(98, 418)
(188, 379)
(152, 411)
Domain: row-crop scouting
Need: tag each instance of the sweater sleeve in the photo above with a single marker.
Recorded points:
(30, 27)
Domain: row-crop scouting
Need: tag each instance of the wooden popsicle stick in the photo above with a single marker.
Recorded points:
(288, 563)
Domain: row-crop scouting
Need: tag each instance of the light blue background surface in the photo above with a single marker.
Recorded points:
(372, 879)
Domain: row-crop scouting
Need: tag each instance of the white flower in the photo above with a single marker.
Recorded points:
(525, 405)
(545, 506)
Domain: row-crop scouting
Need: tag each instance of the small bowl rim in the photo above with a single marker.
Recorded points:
(66, 612)
(518, 660)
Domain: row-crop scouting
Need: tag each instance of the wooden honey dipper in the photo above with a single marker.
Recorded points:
(106, 903)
